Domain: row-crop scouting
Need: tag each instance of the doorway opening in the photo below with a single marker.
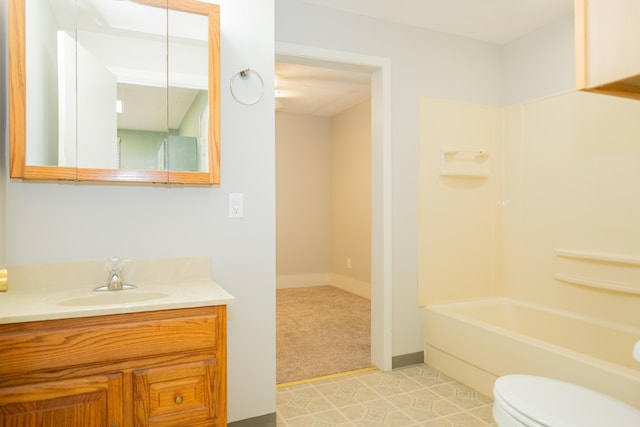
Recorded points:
(379, 260)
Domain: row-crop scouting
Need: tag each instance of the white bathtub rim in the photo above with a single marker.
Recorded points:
(594, 362)
(444, 306)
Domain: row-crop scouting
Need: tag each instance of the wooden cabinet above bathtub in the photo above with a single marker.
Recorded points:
(152, 369)
(607, 46)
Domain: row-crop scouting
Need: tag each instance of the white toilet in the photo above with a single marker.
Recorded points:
(531, 401)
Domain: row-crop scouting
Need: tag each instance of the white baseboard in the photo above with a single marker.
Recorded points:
(348, 284)
(301, 280)
(354, 286)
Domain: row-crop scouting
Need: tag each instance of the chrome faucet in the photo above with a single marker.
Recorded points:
(114, 281)
(115, 266)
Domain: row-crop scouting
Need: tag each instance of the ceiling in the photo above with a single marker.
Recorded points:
(309, 90)
(496, 21)
(303, 89)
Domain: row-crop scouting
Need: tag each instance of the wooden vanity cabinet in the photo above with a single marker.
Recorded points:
(153, 369)
(81, 402)
(607, 40)
(176, 395)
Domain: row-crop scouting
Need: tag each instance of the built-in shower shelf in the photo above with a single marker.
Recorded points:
(598, 256)
(575, 280)
(608, 272)
(464, 163)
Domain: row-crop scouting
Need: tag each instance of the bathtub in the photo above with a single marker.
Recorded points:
(477, 341)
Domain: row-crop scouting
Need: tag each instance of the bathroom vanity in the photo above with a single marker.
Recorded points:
(158, 360)
(158, 368)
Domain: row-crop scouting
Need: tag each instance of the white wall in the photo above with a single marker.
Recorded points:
(423, 63)
(96, 120)
(351, 200)
(540, 63)
(323, 200)
(67, 101)
(58, 222)
(303, 200)
(41, 71)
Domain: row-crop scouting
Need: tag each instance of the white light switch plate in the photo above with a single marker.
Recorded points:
(235, 205)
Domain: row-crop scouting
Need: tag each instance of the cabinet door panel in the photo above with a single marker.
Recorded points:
(606, 47)
(83, 402)
(176, 395)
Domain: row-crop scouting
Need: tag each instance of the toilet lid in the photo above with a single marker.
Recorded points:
(550, 402)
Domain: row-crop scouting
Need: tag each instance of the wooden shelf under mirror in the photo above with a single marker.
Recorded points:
(66, 133)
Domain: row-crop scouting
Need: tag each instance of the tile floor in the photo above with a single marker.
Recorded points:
(412, 396)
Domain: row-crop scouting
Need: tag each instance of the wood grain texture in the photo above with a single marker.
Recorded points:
(121, 339)
(95, 368)
(607, 58)
(619, 89)
(580, 43)
(175, 395)
(80, 402)
(17, 89)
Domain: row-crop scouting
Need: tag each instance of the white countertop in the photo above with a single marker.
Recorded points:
(60, 291)
(30, 306)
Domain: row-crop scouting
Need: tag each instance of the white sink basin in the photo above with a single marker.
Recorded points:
(112, 297)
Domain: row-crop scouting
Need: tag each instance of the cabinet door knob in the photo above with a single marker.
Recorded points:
(177, 400)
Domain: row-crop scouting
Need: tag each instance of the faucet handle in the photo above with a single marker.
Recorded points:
(115, 282)
(115, 264)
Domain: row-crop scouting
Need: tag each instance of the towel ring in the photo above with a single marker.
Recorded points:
(244, 74)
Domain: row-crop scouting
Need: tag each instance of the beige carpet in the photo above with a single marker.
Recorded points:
(320, 330)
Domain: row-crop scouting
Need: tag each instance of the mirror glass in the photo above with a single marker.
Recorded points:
(125, 86)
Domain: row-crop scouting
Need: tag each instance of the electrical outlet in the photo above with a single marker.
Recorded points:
(349, 263)
(235, 205)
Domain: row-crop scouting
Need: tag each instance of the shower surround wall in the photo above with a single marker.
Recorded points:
(571, 180)
(460, 192)
(567, 213)
(567, 184)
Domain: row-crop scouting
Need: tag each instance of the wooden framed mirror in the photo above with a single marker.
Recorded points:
(114, 90)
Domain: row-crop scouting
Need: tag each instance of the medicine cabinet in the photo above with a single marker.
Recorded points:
(112, 90)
